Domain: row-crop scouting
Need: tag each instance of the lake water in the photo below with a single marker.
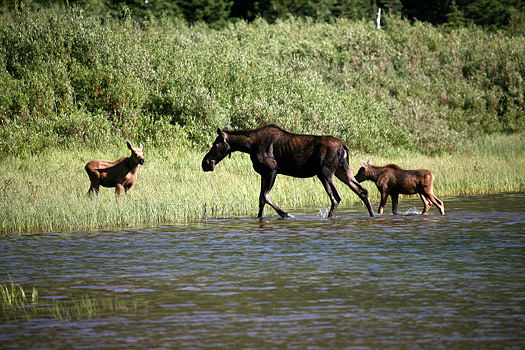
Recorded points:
(397, 282)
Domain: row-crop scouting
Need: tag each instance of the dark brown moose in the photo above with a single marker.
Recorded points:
(275, 151)
(392, 181)
(121, 174)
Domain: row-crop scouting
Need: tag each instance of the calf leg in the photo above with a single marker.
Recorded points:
(329, 187)
(93, 189)
(127, 189)
(118, 190)
(95, 182)
(346, 176)
(382, 204)
(267, 181)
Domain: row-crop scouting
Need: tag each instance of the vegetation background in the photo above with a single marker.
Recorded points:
(74, 76)
(439, 86)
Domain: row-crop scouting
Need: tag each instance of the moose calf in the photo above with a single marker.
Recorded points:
(392, 180)
(121, 174)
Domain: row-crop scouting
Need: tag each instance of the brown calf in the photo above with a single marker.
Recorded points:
(121, 174)
(392, 180)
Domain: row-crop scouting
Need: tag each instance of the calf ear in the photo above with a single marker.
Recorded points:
(141, 146)
(130, 146)
(362, 163)
(370, 161)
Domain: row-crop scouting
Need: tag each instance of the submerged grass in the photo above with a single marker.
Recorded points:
(48, 192)
(15, 304)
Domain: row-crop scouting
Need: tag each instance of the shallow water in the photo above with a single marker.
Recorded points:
(404, 281)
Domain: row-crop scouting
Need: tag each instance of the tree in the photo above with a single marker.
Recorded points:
(455, 18)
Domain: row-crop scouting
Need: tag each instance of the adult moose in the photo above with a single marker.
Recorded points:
(392, 181)
(275, 151)
(121, 174)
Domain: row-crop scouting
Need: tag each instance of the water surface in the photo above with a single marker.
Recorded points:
(395, 281)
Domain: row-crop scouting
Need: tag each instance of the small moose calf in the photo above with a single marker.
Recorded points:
(121, 174)
(392, 180)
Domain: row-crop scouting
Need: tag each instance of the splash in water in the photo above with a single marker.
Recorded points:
(411, 211)
(323, 212)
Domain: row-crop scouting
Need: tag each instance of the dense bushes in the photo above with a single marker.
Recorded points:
(66, 78)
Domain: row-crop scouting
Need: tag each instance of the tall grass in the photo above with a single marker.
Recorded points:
(69, 79)
(48, 192)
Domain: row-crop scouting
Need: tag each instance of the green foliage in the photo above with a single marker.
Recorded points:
(71, 79)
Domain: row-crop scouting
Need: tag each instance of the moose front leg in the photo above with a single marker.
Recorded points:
(382, 204)
(267, 181)
(118, 190)
(333, 194)
(395, 202)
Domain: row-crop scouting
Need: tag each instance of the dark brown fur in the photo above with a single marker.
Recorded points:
(121, 174)
(392, 181)
(275, 151)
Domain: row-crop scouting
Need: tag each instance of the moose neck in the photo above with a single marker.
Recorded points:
(373, 172)
(239, 142)
(132, 166)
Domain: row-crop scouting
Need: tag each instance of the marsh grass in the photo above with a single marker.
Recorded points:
(16, 304)
(48, 192)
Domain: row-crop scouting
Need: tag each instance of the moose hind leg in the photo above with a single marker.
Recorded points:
(346, 177)
(437, 202)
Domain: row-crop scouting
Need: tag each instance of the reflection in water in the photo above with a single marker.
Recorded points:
(393, 281)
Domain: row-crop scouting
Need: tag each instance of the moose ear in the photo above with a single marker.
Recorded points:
(362, 163)
(370, 161)
(221, 134)
(141, 146)
(130, 146)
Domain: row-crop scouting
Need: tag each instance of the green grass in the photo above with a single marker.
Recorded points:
(16, 304)
(48, 192)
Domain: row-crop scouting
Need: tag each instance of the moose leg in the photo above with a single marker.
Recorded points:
(384, 197)
(95, 182)
(118, 190)
(426, 203)
(267, 181)
(92, 189)
(395, 202)
(335, 197)
(437, 202)
(346, 176)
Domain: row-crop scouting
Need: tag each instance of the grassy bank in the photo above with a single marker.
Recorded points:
(48, 192)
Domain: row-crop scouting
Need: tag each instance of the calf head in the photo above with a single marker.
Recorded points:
(363, 173)
(218, 151)
(137, 156)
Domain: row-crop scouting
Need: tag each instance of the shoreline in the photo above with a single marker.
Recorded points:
(172, 188)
